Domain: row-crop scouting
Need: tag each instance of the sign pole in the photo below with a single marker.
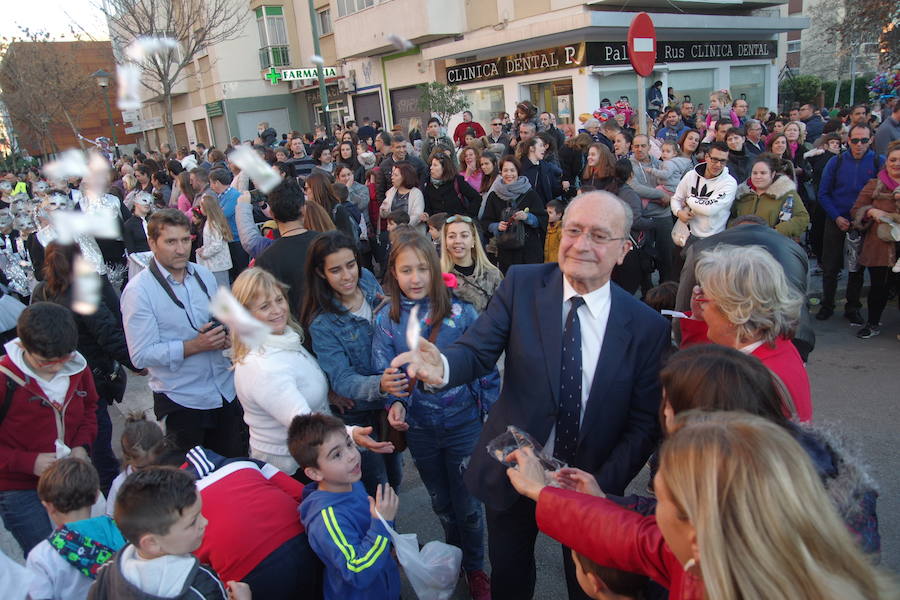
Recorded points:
(323, 94)
(641, 106)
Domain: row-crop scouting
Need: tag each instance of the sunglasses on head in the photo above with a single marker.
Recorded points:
(859, 140)
(455, 218)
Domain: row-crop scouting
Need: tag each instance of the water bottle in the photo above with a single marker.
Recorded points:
(787, 209)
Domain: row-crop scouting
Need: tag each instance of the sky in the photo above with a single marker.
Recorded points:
(56, 17)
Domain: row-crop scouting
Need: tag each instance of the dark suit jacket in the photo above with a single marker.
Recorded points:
(785, 250)
(134, 236)
(621, 425)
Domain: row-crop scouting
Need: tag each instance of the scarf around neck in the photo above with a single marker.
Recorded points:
(887, 180)
(510, 192)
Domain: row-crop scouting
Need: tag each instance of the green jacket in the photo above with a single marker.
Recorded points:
(768, 205)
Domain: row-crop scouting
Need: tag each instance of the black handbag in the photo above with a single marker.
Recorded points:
(514, 236)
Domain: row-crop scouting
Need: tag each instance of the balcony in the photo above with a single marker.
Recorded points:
(364, 33)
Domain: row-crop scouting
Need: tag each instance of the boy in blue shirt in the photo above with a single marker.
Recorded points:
(339, 517)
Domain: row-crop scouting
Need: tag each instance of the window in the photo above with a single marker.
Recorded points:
(348, 7)
(273, 41)
(325, 22)
(793, 46)
(749, 83)
(485, 103)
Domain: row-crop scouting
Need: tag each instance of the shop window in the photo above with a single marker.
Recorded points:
(749, 83)
(695, 83)
(554, 97)
(273, 40)
(485, 104)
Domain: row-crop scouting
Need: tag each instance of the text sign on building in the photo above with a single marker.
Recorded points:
(215, 109)
(536, 61)
(298, 74)
(616, 53)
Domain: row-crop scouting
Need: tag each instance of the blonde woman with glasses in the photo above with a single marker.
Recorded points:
(742, 514)
(463, 256)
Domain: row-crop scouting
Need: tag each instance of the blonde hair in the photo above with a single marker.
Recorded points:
(482, 264)
(129, 182)
(212, 210)
(750, 288)
(723, 97)
(765, 525)
(801, 127)
(247, 288)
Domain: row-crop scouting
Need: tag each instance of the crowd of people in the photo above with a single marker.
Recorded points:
(621, 297)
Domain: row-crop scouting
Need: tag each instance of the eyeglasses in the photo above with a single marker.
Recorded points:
(860, 140)
(597, 238)
(455, 218)
(496, 124)
(49, 362)
(717, 160)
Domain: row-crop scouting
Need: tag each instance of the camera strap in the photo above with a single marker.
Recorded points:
(154, 269)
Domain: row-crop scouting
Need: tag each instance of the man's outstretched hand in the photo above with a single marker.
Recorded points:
(424, 364)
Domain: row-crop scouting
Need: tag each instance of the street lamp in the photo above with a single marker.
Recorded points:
(102, 78)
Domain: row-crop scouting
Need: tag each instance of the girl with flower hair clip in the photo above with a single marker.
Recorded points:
(442, 426)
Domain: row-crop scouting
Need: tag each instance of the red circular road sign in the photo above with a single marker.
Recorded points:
(642, 44)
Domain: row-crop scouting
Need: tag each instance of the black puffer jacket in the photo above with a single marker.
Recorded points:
(101, 339)
(454, 197)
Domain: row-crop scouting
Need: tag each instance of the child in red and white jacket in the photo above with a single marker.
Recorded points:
(47, 411)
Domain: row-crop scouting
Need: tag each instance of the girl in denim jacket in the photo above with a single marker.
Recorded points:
(340, 301)
(441, 426)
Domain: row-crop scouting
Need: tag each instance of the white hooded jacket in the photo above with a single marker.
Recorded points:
(709, 199)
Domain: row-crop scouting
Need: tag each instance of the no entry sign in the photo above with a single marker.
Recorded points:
(642, 44)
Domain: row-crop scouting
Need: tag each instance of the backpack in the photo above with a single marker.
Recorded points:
(12, 384)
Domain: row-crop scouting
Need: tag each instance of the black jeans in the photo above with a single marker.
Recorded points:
(878, 293)
(511, 536)
(665, 248)
(221, 430)
(832, 262)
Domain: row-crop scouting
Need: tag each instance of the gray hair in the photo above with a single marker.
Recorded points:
(592, 123)
(751, 123)
(627, 213)
(750, 288)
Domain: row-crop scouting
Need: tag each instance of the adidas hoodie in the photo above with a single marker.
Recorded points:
(709, 199)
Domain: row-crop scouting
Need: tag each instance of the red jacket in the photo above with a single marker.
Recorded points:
(459, 134)
(615, 537)
(782, 359)
(30, 426)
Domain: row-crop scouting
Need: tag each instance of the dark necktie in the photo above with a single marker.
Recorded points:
(569, 416)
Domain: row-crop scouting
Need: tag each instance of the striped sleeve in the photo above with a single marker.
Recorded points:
(359, 560)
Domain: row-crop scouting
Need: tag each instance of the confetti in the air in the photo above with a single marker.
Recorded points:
(256, 168)
(237, 319)
(400, 43)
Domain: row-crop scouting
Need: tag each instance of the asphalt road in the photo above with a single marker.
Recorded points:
(854, 387)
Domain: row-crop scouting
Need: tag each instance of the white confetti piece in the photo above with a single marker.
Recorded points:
(147, 46)
(71, 163)
(237, 319)
(317, 60)
(250, 162)
(413, 329)
(69, 225)
(400, 43)
(129, 79)
(85, 287)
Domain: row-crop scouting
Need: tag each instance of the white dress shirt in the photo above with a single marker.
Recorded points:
(593, 317)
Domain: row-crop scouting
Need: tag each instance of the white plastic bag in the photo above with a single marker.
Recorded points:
(680, 233)
(433, 571)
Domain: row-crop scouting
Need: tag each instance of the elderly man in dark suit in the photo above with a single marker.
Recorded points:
(582, 377)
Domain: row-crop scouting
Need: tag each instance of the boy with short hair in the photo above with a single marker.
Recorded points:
(397, 217)
(606, 583)
(435, 226)
(340, 518)
(49, 411)
(158, 512)
(66, 564)
(555, 210)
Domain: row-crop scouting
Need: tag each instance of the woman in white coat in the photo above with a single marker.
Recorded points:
(280, 379)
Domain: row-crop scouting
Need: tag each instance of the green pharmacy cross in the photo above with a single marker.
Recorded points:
(273, 76)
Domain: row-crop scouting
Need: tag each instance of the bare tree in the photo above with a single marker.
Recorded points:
(194, 24)
(874, 21)
(43, 87)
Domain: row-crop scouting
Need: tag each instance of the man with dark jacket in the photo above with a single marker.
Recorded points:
(548, 124)
(399, 153)
(751, 230)
(843, 178)
(809, 115)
